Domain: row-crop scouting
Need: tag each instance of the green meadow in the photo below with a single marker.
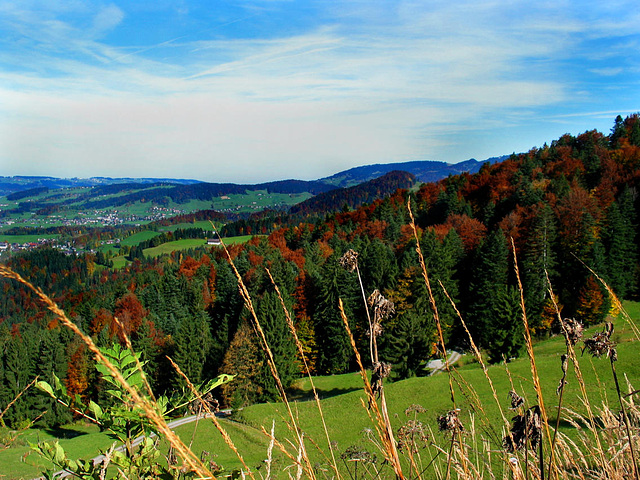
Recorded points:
(343, 405)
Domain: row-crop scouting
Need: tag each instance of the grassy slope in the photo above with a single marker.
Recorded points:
(347, 418)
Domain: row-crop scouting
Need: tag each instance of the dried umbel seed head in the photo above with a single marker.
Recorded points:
(382, 307)
(449, 422)
(380, 370)
(349, 261)
(516, 400)
(412, 436)
(414, 408)
(358, 454)
(525, 427)
(601, 344)
(572, 330)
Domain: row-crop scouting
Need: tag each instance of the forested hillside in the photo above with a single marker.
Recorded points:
(572, 201)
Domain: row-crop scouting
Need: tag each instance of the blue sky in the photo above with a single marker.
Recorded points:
(252, 91)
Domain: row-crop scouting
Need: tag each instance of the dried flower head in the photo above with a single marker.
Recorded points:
(601, 344)
(358, 454)
(412, 436)
(380, 371)
(572, 330)
(197, 405)
(414, 408)
(516, 400)
(525, 427)
(449, 422)
(349, 261)
(382, 308)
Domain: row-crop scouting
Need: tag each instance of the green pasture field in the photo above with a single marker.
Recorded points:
(138, 237)
(188, 243)
(169, 247)
(119, 262)
(432, 393)
(201, 224)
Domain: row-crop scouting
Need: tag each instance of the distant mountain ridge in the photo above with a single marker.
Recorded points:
(20, 183)
(349, 188)
(424, 170)
(357, 195)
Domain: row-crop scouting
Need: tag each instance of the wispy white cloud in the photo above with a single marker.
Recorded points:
(364, 84)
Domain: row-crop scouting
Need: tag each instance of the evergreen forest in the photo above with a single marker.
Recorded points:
(563, 207)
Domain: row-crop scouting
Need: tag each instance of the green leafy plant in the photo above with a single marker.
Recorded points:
(125, 420)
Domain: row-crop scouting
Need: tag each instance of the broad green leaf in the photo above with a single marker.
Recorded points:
(45, 387)
(59, 455)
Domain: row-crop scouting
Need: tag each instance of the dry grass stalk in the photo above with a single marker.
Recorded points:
(583, 389)
(432, 301)
(143, 375)
(534, 371)
(244, 292)
(306, 368)
(383, 425)
(205, 405)
(192, 462)
(615, 300)
(436, 317)
(16, 399)
(478, 356)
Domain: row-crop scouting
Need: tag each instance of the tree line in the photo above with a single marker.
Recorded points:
(562, 206)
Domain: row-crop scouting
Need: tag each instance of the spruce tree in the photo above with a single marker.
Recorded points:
(620, 246)
(538, 260)
(280, 341)
(489, 275)
(192, 344)
(334, 347)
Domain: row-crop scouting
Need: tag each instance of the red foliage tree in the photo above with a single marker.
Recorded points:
(470, 230)
(129, 312)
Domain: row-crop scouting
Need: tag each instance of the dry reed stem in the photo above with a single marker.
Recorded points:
(532, 360)
(189, 458)
(279, 444)
(373, 350)
(16, 399)
(205, 405)
(615, 300)
(292, 328)
(384, 425)
(476, 353)
(583, 389)
(244, 292)
(432, 301)
(436, 316)
(129, 346)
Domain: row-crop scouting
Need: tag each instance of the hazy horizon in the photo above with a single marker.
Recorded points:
(242, 91)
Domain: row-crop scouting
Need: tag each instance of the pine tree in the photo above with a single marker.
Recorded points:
(52, 361)
(280, 341)
(334, 347)
(507, 329)
(489, 274)
(192, 344)
(620, 246)
(538, 261)
(18, 372)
